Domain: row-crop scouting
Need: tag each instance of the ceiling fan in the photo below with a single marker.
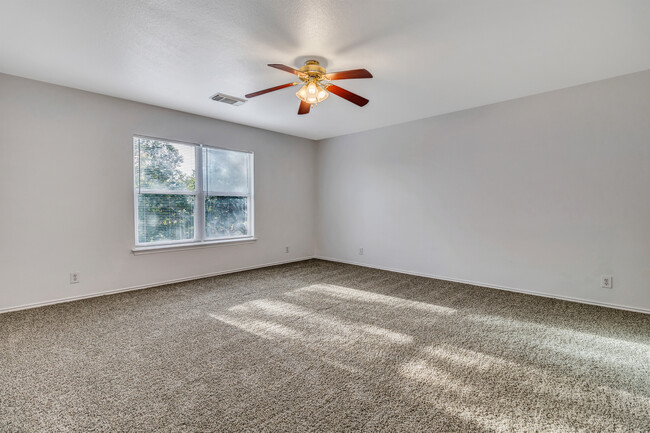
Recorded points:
(316, 84)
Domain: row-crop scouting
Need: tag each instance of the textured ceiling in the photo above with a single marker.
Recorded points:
(428, 57)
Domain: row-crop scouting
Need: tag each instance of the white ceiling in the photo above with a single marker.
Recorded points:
(428, 57)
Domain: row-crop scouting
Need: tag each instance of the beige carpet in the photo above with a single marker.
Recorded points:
(318, 346)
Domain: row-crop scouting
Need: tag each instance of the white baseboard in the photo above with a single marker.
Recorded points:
(491, 286)
(147, 286)
(329, 259)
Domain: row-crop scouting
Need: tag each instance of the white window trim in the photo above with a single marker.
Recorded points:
(168, 248)
(199, 241)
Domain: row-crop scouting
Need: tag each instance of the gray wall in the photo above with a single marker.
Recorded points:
(542, 194)
(67, 198)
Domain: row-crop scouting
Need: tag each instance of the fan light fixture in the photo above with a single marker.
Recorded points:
(315, 80)
(312, 93)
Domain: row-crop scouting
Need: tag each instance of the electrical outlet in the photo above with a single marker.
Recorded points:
(606, 281)
(74, 277)
(360, 251)
(286, 249)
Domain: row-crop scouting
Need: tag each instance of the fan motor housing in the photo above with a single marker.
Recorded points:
(312, 69)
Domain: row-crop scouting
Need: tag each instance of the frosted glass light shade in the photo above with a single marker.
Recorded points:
(312, 93)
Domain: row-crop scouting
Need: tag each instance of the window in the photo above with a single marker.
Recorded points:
(191, 193)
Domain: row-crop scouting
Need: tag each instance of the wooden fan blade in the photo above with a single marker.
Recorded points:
(285, 68)
(272, 89)
(346, 75)
(345, 94)
(304, 107)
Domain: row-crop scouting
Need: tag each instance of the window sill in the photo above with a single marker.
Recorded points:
(155, 249)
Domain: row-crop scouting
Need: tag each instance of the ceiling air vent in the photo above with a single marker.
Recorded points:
(227, 99)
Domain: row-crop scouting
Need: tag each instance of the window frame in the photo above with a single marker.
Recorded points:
(200, 195)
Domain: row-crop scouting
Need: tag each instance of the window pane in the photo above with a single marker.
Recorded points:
(165, 217)
(226, 171)
(160, 165)
(226, 217)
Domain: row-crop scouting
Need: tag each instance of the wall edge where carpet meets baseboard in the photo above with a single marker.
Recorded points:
(486, 285)
(148, 286)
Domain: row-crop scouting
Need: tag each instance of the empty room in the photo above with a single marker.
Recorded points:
(324, 216)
